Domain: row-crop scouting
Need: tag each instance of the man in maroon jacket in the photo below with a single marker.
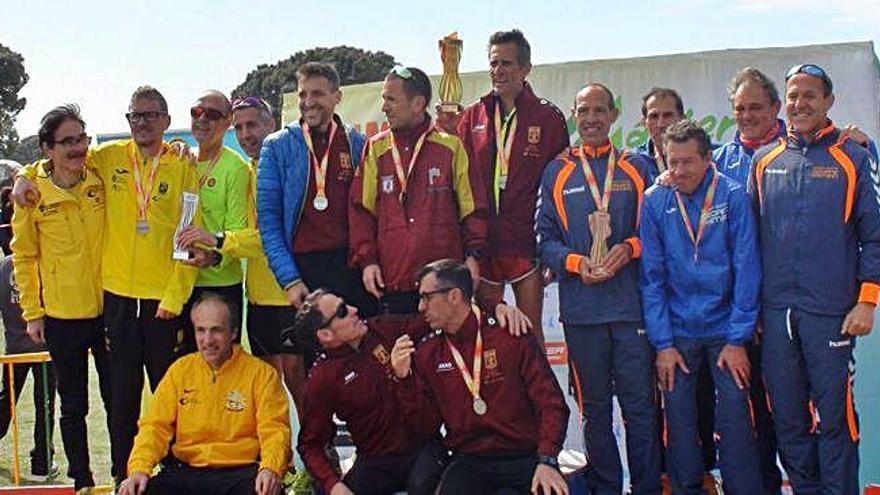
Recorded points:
(353, 380)
(510, 135)
(414, 199)
(503, 411)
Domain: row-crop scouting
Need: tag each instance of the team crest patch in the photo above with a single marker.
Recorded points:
(346, 171)
(491, 359)
(163, 187)
(434, 175)
(381, 354)
(212, 182)
(621, 186)
(235, 401)
(534, 134)
(387, 184)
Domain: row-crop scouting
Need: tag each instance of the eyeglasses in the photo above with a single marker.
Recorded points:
(426, 296)
(135, 117)
(341, 312)
(209, 113)
(251, 102)
(401, 72)
(810, 70)
(74, 140)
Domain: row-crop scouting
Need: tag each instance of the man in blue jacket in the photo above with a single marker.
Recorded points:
(599, 296)
(817, 195)
(700, 276)
(305, 173)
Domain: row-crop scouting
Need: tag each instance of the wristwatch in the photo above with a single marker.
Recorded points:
(220, 237)
(549, 460)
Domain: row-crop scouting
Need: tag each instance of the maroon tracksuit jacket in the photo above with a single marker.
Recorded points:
(526, 409)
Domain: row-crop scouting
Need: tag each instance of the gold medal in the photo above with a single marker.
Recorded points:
(320, 202)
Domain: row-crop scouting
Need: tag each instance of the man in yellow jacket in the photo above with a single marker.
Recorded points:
(144, 288)
(222, 413)
(57, 264)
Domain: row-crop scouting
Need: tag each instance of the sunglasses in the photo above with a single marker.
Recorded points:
(74, 140)
(401, 72)
(251, 102)
(810, 70)
(135, 117)
(340, 313)
(209, 113)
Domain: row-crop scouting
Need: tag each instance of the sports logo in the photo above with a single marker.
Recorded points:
(235, 401)
(491, 359)
(534, 134)
(381, 354)
(212, 182)
(387, 183)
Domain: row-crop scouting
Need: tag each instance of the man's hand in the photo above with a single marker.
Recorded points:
(25, 193)
(136, 484)
(36, 331)
(199, 258)
(859, 321)
(473, 266)
(619, 255)
(736, 360)
(184, 152)
(296, 294)
(194, 234)
(547, 481)
(164, 314)
(667, 360)
(664, 179)
(590, 273)
(267, 483)
(853, 132)
(340, 489)
(513, 319)
(401, 356)
(373, 281)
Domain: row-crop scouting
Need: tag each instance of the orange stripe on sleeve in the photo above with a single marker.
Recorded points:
(558, 187)
(870, 293)
(573, 263)
(844, 161)
(636, 246)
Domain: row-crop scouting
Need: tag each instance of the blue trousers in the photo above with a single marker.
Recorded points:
(609, 359)
(738, 450)
(809, 366)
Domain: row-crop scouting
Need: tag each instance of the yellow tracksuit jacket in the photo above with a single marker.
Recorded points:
(57, 248)
(234, 416)
(262, 287)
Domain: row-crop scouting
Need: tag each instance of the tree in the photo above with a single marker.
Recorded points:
(12, 79)
(27, 151)
(353, 64)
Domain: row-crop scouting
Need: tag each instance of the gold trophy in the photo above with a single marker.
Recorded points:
(600, 229)
(449, 107)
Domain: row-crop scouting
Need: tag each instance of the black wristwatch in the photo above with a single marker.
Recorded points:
(220, 237)
(549, 460)
(217, 258)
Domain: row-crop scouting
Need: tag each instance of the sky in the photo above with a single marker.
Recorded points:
(95, 53)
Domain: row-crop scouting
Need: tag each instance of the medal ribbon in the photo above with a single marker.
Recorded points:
(504, 135)
(143, 194)
(319, 166)
(402, 176)
(210, 168)
(604, 199)
(704, 214)
(472, 382)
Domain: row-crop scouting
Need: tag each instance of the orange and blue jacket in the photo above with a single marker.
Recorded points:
(442, 215)
(541, 134)
(564, 235)
(819, 217)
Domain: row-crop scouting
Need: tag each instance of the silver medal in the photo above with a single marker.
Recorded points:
(480, 406)
(502, 181)
(143, 227)
(321, 203)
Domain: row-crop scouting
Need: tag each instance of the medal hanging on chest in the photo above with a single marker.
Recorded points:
(321, 202)
(472, 381)
(142, 194)
(599, 221)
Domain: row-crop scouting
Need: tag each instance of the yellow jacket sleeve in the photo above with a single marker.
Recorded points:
(156, 428)
(25, 256)
(273, 425)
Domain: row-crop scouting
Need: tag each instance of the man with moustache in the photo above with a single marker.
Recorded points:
(223, 192)
(817, 199)
(144, 289)
(661, 107)
(599, 302)
(414, 199)
(700, 277)
(303, 181)
(510, 135)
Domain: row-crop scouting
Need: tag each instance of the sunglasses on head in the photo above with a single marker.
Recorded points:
(401, 72)
(340, 313)
(251, 102)
(810, 70)
(209, 113)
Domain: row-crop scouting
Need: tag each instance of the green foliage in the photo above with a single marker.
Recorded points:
(12, 78)
(27, 151)
(353, 64)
